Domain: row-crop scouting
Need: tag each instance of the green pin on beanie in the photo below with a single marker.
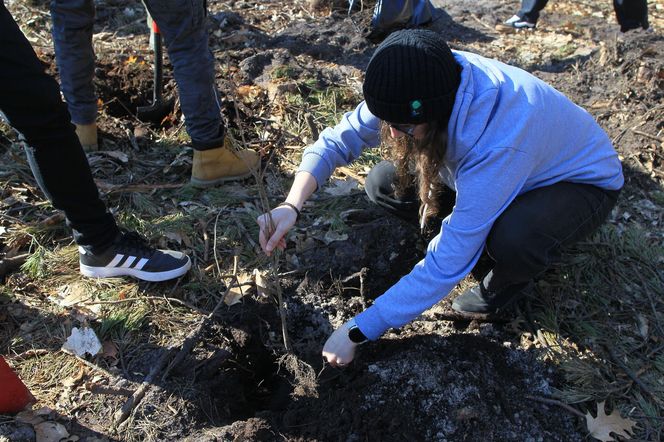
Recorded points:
(415, 107)
(412, 78)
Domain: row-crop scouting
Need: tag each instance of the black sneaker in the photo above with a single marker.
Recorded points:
(131, 255)
(477, 299)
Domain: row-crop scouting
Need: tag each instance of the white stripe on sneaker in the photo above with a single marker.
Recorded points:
(130, 260)
(115, 260)
(141, 264)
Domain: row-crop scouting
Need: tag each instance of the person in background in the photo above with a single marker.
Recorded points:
(183, 26)
(631, 14)
(30, 101)
(511, 165)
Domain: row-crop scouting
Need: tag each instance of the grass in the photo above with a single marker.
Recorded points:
(603, 311)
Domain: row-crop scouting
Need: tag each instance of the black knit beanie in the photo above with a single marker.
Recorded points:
(412, 78)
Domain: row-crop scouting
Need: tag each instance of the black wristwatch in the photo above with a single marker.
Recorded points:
(355, 334)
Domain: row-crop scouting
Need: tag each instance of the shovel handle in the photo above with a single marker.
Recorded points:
(157, 62)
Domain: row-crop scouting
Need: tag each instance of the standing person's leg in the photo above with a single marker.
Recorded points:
(72, 38)
(526, 18)
(530, 236)
(530, 10)
(631, 14)
(31, 101)
(183, 26)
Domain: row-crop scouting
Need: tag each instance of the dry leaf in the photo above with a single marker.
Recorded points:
(109, 350)
(50, 432)
(249, 92)
(73, 294)
(239, 290)
(332, 236)
(603, 425)
(77, 378)
(263, 285)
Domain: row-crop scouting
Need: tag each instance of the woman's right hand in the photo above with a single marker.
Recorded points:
(271, 236)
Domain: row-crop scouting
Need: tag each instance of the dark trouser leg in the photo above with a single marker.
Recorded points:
(72, 38)
(530, 235)
(379, 186)
(183, 26)
(631, 14)
(530, 9)
(30, 99)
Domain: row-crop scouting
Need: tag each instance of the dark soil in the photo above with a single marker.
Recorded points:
(432, 380)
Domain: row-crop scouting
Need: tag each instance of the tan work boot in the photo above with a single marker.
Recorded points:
(87, 135)
(215, 166)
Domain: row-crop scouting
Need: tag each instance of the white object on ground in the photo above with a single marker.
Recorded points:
(82, 341)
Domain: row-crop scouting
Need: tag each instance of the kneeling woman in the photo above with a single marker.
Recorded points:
(531, 172)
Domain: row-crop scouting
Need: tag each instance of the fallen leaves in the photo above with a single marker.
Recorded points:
(603, 425)
(257, 278)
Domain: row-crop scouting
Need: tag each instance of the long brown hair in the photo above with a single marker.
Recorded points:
(418, 164)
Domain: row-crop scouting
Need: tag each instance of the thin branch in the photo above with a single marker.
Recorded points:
(558, 403)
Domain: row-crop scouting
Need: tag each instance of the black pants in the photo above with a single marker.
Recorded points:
(528, 236)
(30, 99)
(631, 14)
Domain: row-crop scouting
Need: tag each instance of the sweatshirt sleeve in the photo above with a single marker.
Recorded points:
(341, 144)
(487, 182)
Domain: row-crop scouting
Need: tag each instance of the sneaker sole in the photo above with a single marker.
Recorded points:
(507, 29)
(209, 183)
(114, 272)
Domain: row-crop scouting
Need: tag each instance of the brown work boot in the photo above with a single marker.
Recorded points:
(214, 166)
(87, 135)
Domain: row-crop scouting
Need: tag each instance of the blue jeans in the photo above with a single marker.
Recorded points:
(183, 26)
(528, 237)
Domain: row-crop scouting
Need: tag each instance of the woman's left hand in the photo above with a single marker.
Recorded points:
(339, 350)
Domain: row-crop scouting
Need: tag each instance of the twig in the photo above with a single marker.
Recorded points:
(491, 28)
(265, 203)
(646, 134)
(644, 388)
(95, 388)
(112, 188)
(123, 413)
(245, 232)
(132, 139)
(146, 298)
(312, 126)
(192, 339)
(91, 365)
(556, 402)
(29, 354)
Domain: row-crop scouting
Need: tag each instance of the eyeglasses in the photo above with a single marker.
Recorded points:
(407, 129)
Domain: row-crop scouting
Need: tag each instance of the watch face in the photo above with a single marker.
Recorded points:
(356, 335)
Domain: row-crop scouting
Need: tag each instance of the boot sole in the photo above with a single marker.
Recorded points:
(114, 272)
(209, 183)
